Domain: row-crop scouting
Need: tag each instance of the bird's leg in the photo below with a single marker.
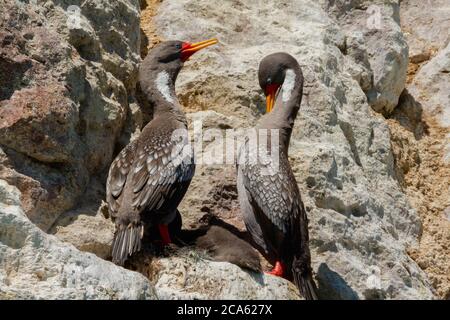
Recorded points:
(278, 270)
(164, 232)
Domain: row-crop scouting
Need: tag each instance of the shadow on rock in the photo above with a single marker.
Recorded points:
(222, 242)
(214, 239)
(409, 114)
(331, 286)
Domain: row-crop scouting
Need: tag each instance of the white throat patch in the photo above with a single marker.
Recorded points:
(162, 84)
(288, 84)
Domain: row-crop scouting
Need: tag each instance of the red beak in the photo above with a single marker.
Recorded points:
(190, 48)
(271, 91)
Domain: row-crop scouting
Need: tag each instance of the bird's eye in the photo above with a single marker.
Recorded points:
(178, 46)
(269, 80)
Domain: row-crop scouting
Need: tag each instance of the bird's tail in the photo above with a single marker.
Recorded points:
(303, 279)
(127, 240)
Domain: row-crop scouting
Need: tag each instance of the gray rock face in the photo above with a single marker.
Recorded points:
(381, 52)
(190, 278)
(420, 129)
(360, 221)
(431, 86)
(34, 265)
(425, 25)
(66, 78)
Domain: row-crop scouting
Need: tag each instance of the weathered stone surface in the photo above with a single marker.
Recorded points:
(360, 220)
(190, 279)
(431, 86)
(425, 25)
(66, 77)
(34, 265)
(86, 226)
(420, 133)
(189, 274)
(63, 102)
(40, 123)
(46, 190)
(381, 52)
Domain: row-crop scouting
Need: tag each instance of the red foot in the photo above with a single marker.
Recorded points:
(164, 232)
(278, 270)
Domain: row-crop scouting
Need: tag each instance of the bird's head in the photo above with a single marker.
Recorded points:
(172, 54)
(272, 74)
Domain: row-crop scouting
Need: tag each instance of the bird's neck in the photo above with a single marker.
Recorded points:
(286, 106)
(159, 88)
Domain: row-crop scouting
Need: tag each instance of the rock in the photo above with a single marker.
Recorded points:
(35, 265)
(420, 135)
(189, 276)
(86, 232)
(382, 51)
(40, 123)
(418, 143)
(425, 25)
(340, 150)
(66, 78)
(46, 190)
(426, 28)
(431, 86)
(86, 226)
(67, 82)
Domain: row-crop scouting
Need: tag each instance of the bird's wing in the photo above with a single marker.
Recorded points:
(272, 189)
(273, 193)
(117, 177)
(162, 171)
(155, 172)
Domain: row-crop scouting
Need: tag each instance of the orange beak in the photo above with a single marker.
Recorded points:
(271, 92)
(190, 48)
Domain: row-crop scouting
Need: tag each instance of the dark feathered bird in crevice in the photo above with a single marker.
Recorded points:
(269, 196)
(221, 241)
(222, 245)
(149, 177)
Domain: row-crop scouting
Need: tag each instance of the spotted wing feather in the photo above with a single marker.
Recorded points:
(272, 189)
(273, 194)
(117, 178)
(149, 177)
(161, 172)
